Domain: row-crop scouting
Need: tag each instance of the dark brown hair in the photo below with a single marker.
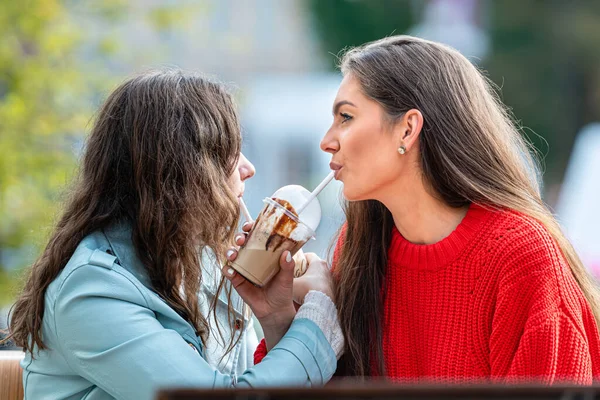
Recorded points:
(471, 151)
(159, 156)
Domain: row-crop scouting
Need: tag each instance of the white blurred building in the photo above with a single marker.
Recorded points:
(578, 205)
(233, 39)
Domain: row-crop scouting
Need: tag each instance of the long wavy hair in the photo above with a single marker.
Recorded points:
(159, 156)
(471, 151)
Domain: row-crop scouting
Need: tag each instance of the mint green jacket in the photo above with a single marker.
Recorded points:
(109, 336)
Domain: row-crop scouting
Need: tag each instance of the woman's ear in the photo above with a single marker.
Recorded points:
(408, 129)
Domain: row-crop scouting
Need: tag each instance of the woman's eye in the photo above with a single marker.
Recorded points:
(345, 117)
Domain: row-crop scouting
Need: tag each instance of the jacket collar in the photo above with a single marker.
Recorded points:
(121, 243)
(119, 237)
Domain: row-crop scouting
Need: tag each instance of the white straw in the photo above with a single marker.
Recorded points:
(245, 211)
(316, 192)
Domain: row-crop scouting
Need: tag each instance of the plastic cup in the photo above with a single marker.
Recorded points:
(276, 230)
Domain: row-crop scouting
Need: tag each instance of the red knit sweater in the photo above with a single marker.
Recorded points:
(493, 301)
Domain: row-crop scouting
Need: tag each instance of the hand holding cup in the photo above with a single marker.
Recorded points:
(272, 303)
(317, 277)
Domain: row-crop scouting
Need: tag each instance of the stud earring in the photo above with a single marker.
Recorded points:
(401, 149)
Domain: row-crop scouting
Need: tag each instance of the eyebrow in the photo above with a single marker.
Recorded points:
(337, 105)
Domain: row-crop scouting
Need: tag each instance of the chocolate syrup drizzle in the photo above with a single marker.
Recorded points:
(282, 229)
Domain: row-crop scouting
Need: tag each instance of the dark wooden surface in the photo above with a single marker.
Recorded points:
(388, 391)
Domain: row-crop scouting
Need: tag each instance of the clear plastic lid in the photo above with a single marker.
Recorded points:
(297, 195)
(305, 233)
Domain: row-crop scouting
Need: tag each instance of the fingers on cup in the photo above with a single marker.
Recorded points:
(231, 254)
(301, 264)
(247, 226)
(240, 239)
(235, 278)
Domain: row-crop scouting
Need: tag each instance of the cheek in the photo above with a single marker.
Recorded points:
(370, 158)
(369, 179)
(234, 180)
(360, 143)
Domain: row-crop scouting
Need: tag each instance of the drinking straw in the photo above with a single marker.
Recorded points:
(245, 211)
(316, 192)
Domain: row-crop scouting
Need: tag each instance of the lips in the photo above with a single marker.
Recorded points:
(337, 168)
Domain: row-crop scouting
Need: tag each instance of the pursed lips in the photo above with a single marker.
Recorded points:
(337, 168)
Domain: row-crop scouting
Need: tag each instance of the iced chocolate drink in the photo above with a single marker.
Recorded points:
(276, 230)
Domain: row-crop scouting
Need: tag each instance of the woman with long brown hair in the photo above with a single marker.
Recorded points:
(112, 308)
(450, 267)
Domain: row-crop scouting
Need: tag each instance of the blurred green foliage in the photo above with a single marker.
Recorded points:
(41, 115)
(347, 23)
(49, 83)
(545, 55)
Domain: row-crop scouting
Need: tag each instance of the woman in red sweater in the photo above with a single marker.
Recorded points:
(450, 267)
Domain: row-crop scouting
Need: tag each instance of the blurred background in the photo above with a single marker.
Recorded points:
(59, 59)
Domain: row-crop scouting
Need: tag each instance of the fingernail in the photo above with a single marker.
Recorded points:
(245, 224)
(288, 257)
(230, 271)
(229, 253)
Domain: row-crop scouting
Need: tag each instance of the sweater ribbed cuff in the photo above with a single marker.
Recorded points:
(319, 308)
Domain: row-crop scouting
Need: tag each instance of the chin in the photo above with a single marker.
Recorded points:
(352, 195)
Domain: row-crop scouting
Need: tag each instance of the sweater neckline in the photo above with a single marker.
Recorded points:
(437, 255)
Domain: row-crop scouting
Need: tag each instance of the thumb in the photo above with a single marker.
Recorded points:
(285, 276)
(287, 263)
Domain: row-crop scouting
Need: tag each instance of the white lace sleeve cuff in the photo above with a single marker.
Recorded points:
(319, 308)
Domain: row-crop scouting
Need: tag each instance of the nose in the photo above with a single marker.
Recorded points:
(246, 168)
(329, 143)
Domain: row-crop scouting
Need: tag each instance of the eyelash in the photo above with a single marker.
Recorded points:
(346, 117)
